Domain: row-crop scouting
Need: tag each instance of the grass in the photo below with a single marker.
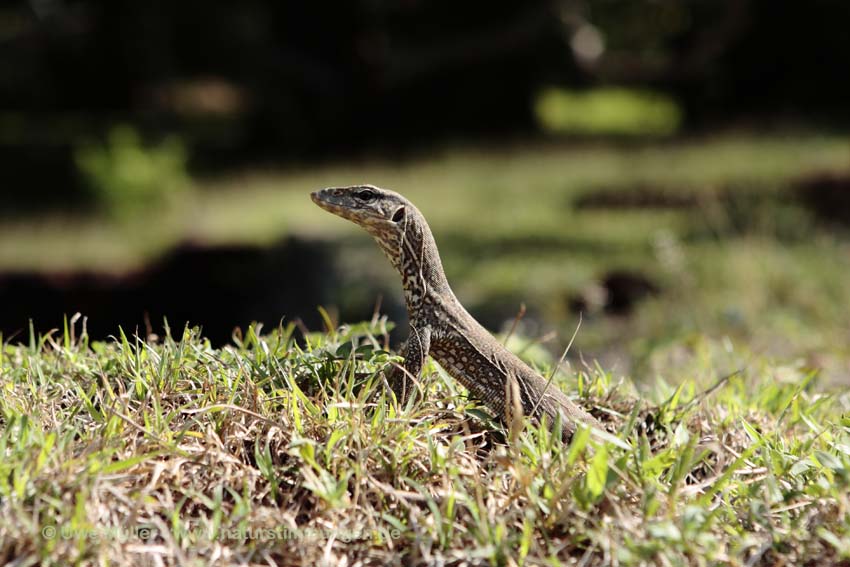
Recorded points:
(450, 186)
(274, 451)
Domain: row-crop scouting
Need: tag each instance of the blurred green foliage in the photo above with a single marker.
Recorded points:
(126, 176)
(607, 111)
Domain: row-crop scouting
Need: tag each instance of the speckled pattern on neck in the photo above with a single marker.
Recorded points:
(439, 324)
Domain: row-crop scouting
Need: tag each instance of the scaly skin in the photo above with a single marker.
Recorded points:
(439, 324)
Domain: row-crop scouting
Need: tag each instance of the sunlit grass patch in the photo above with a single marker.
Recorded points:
(279, 451)
(607, 111)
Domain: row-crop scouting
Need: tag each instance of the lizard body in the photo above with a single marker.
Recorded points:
(439, 324)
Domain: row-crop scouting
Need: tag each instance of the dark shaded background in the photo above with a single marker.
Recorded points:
(293, 81)
(267, 82)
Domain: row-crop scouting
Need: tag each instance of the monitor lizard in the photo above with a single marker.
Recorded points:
(439, 324)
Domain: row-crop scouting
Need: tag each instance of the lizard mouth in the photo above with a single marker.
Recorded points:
(318, 197)
(332, 201)
(325, 200)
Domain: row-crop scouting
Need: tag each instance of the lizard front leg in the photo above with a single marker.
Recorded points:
(414, 350)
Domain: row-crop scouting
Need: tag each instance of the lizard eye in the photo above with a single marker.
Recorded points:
(366, 195)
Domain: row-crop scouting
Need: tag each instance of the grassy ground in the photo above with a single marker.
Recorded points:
(526, 191)
(167, 451)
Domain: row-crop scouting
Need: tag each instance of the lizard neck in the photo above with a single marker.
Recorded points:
(413, 253)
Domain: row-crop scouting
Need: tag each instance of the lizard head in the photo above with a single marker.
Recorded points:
(396, 225)
(379, 211)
